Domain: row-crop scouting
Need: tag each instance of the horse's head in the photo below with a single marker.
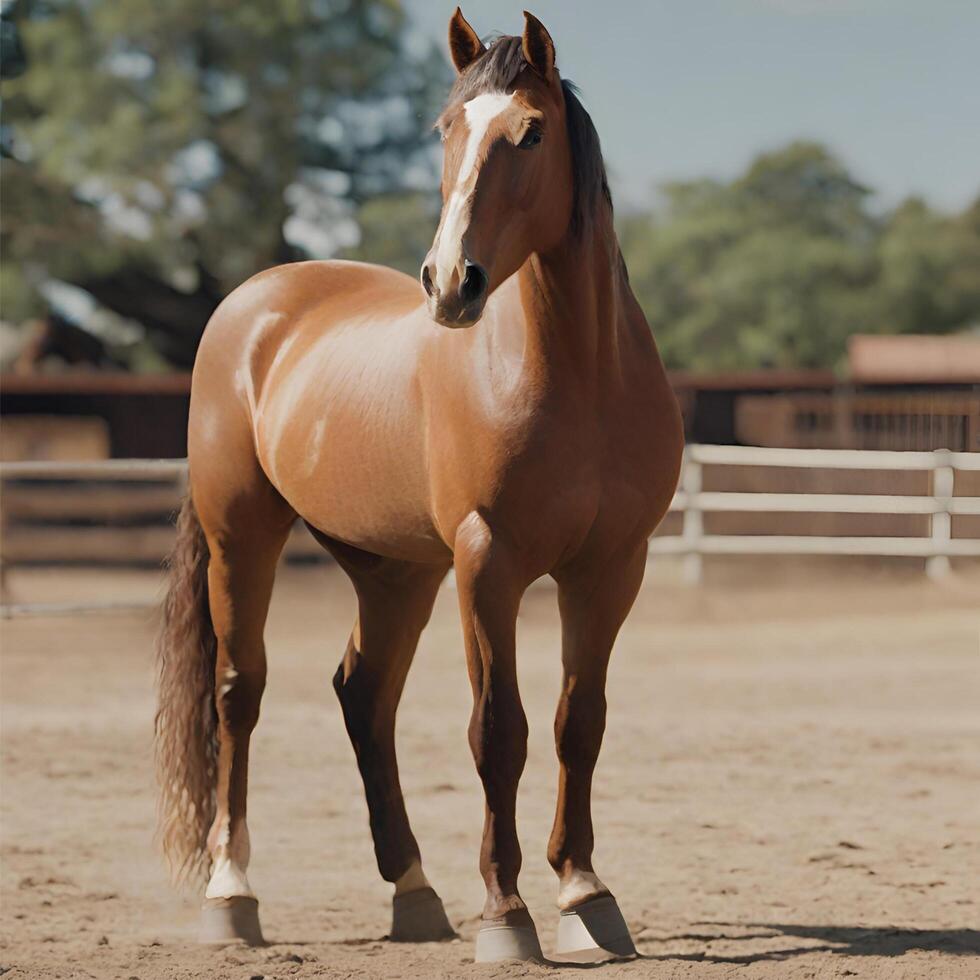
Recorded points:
(507, 181)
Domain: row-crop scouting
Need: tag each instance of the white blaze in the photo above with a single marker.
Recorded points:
(480, 113)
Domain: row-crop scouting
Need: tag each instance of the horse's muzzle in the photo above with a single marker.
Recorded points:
(462, 304)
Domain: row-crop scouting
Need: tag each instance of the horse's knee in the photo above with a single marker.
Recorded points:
(498, 733)
(363, 697)
(352, 682)
(579, 726)
(239, 694)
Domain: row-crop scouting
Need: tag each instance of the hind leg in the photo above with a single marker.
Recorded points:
(394, 603)
(245, 540)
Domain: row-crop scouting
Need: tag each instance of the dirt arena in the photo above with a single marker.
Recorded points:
(788, 788)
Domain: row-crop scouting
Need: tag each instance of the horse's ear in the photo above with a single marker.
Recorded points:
(464, 44)
(539, 49)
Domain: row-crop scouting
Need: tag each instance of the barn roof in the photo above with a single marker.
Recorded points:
(914, 359)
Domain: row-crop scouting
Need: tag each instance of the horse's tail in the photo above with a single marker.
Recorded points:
(186, 721)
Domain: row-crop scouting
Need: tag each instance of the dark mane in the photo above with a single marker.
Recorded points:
(496, 71)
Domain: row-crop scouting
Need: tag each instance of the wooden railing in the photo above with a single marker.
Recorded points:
(937, 548)
(102, 512)
(117, 510)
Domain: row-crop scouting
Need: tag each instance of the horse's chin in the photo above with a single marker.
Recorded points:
(456, 319)
(458, 324)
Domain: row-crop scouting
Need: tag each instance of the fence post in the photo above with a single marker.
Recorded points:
(692, 530)
(937, 565)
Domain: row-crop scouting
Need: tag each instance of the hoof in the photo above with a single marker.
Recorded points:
(230, 920)
(593, 931)
(511, 937)
(419, 917)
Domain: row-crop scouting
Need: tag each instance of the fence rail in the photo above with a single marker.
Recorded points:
(693, 543)
(107, 469)
(39, 492)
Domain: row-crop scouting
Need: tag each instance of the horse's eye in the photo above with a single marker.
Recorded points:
(531, 138)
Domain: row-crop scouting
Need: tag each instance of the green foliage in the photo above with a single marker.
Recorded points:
(930, 269)
(778, 267)
(396, 230)
(156, 154)
(201, 142)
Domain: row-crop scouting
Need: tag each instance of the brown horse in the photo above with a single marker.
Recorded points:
(544, 439)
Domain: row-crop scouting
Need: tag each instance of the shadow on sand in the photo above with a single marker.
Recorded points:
(841, 940)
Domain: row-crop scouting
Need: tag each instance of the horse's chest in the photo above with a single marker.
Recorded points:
(537, 475)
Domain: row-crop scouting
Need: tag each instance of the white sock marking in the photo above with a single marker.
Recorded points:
(228, 880)
(578, 885)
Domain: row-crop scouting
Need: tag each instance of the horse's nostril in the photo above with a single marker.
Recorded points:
(426, 280)
(474, 283)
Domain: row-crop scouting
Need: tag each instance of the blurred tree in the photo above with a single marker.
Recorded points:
(396, 230)
(778, 267)
(160, 153)
(157, 154)
(12, 59)
(930, 270)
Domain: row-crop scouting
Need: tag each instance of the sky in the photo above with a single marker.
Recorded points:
(680, 89)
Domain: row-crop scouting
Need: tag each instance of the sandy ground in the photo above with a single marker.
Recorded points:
(788, 788)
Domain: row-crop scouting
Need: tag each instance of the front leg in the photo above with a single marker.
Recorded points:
(490, 586)
(594, 598)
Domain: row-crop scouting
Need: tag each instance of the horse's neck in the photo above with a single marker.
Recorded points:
(576, 308)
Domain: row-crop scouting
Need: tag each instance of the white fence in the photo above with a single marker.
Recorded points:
(74, 493)
(693, 544)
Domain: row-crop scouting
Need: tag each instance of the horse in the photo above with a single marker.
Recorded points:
(510, 419)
